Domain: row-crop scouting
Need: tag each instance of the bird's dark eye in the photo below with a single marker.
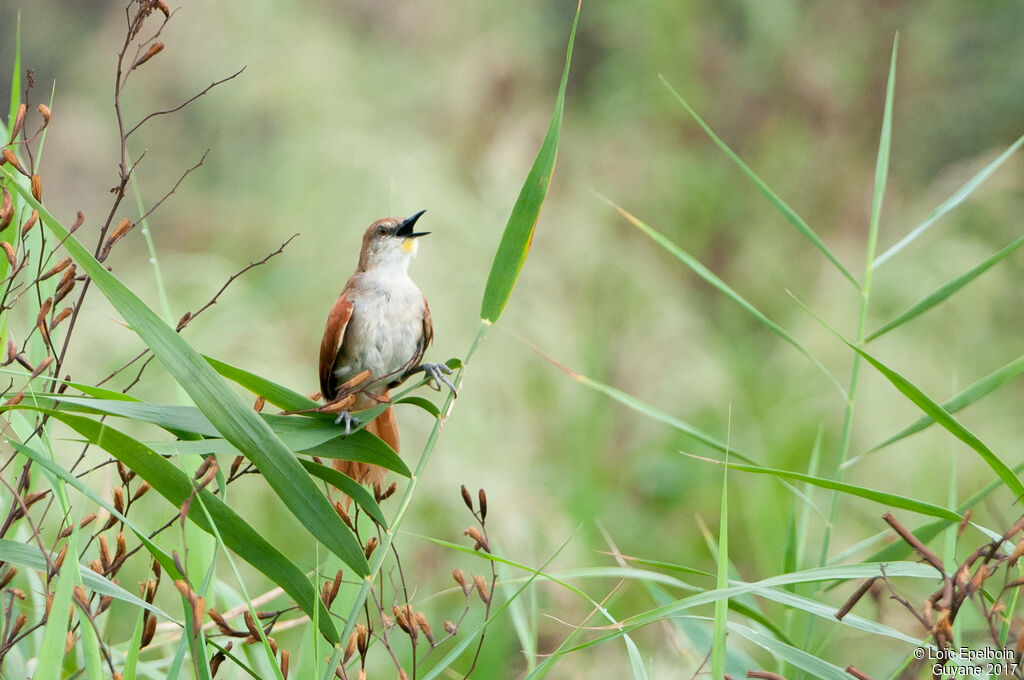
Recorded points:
(382, 230)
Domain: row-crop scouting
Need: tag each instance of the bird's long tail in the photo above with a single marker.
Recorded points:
(384, 426)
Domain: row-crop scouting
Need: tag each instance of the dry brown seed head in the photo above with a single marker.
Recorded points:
(157, 569)
(481, 589)
(403, 622)
(371, 545)
(79, 221)
(198, 607)
(20, 594)
(8, 576)
(122, 228)
(44, 309)
(459, 577)
(9, 157)
(12, 259)
(421, 623)
(122, 546)
(218, 619)
(350, 647)
(37, 188)
(361, 675)
(250, 624)
(336, 585)
(339, 508)
(140, 491)
(148, 630)
(31, 499)
(59, 562)
(285, 658)
(235, 464)
(14, 401)
(390, 491)
(481, 542)
(450, 628)
(150, 591)
(185, 589)
(19, 623)
(6, 208)
(215, 661)
(63, 314)
(118, 495)
(362, 639)
(19, 120)
(153, 50)
(82, 597)
(57, 269)
(482, 498)
(69, 641)
(337, 406)
(44, 111)
(104, 553)
(260, 403)
(12, 350)
(273, 644)
(466, 498)
(183, 321)
(105, 603)
(31, 222)
(162, 6)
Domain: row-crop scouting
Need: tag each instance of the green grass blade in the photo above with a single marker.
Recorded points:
(718, 648)
(885, 498)
(131, 660)
(518, 234)
(709, 276)
(176, 486)
(943, 418)
(278, 395)
(772, 197)
(817, 667)
(51, 650)
(882, 163)
(15, 78)
(30, 557)
(354, 490)
(947, 289)
(962, 399)
(232, 417)
(958, 197)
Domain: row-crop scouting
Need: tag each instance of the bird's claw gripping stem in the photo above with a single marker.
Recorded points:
(436, 375)
(349, 420)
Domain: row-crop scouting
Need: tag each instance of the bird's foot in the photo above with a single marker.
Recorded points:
(348, 419)
(436, 375)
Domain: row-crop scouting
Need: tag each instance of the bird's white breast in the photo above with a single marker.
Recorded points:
(385, 331)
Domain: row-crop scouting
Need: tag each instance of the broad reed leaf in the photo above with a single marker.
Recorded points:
(709, 276)
(278, 395)
(945, 290)
(952, 202)
(772, 197)
(885, 498)
(518, 234)
(234, 419)
(174, 485)
(942, 417)
(962, 399)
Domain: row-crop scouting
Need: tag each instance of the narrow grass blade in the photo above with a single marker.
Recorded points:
(944, 291)
(881, 165)
(51, 650)
(353, 489)
(952, 202)
(131, 660)
(942, 417)
(30, 557)
(772, 197)
(817, 667)
(174, 485)
(12, 110)
(518, 234)
(718, 648)
(278, 395)
(962, 399)
(885, 498)
(709, 276)
(232, 417)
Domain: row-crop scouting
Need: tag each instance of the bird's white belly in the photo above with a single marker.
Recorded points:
(384, 334)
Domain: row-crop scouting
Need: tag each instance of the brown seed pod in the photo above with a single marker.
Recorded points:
(44, 111)
(104, 553)
(284, 663)
(31, 222)
(56, 269)
(19, 120)
(260, 403)
(9, 157)
(141, 491)
(401, 619)
(118, 495)
(15, 400)
(153, 50)
(482, 497)
(362, 639)
(371, 545)
(481, 542)
(421, 623)
(63, 314)
(43, 365)
(481, 589)
(6, 208)
(198, 607)
(466, 498)
(350, 648)
(450, 628)
(459, 578)
(8, 577)
(37, 188)
(12, 259)
(148, 630)
(79, 221)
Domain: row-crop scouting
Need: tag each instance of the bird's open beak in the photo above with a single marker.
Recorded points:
(405, 228)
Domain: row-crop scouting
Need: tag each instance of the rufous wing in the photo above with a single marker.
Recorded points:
(334, 335)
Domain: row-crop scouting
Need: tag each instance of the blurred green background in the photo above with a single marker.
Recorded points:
(354, 110)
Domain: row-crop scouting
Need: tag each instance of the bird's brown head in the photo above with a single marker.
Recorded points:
(390, 242)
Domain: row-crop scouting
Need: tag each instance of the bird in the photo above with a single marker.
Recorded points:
(379, 324)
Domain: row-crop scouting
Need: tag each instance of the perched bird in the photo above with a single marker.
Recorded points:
(380, 323)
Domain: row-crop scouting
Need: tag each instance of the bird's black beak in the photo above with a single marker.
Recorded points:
(405, 228)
